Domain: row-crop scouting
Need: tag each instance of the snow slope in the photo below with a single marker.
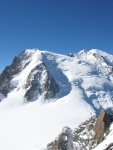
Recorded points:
(85, 83)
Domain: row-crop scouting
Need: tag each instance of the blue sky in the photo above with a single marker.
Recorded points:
(60, 26)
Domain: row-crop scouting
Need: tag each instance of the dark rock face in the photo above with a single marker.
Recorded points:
(5, 77)
(40, 81)
(1, 97)
(18, 64)
(63, 142)
(71, 55)
(101, 125)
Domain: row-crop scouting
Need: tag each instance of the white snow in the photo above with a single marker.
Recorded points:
(35, 124)
(83, 88)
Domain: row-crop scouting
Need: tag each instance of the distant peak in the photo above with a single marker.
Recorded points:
(94, 51)
(30, 52)
(90, 52)
(82, 51)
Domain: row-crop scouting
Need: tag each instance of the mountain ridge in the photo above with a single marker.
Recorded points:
(47, 91)
(89, 66)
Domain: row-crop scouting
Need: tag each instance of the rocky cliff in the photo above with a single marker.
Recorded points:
(39, 80)
(86, 136)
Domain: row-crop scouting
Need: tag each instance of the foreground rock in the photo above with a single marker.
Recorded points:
(63, 142)
(86, 136)
(101, 125)
(82, 138)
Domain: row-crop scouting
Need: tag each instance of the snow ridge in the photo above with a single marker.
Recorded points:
(64, 90)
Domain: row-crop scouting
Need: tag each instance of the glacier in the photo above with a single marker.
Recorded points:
(84, 85)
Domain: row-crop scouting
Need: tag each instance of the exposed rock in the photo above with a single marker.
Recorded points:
(6, 76)
(63, 142)
(109, 147)
(71, 55)
(82, 138)
(1, 97)
(83, 135)
(105, 63)
(101, 125)
(40, 81)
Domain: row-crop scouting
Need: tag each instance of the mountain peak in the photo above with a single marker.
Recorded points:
(64, 90)
(36, 72)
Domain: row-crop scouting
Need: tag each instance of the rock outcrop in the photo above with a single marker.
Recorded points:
(71, 55)
(101, 125)
(40, 81)
(83, 135)
(82, 138)
(6, 76)
(107, 65)
(63, 142)
(86, 136)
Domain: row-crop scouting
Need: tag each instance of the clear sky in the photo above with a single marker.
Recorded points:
(60, 26)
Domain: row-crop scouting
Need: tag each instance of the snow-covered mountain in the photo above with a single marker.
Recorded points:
(41, 92)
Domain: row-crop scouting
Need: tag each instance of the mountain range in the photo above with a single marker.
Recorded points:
(42, 92)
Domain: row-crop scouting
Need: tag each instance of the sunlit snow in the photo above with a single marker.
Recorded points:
(85, 87)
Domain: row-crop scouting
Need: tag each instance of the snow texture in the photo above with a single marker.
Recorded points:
(85, 84)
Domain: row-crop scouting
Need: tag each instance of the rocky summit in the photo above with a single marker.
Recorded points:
(39, 80)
